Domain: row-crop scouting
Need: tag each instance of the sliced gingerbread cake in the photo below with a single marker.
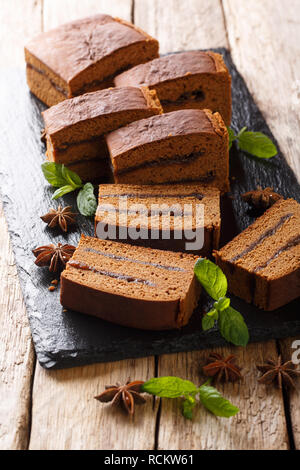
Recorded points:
(262, 264)
(84, 56)
(193, 79)
(74, 128)
(181, 146)
(133, 286)
(169, 217)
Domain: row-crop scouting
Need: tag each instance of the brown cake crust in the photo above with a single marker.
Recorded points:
(193, 79)
(262, 264)
(196, 140)
(131, 286)
(84, 55)
(172, 198)
(75, 128)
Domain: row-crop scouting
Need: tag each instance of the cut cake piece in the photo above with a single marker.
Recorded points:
(74, 128)
(193, 79)
(132, 286)
(83, 56)
(181, 146)
(167, 217)
(262, 264)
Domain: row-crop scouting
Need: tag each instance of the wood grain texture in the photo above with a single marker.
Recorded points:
(255, 427)
(19, 22)
(290, 349)
(264, 40)
(65, 414)
(259, 425)
(56, 12)
(193, 24)
(16, 352)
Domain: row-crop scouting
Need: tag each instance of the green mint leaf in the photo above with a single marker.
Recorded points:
(208, 322)
(169, 387)
(222, 303)
(53, 174)
(233, 327)
(215, 403)
(188, 406)
(241, 132)
(257, 144)
(71, 177)
(62, 191)
(86, 200)
(232, 136)
(211, 277)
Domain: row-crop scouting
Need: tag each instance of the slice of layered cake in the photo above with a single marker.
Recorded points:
(84, 56)
(129, 285)
(193, 79)
(74, 128)
(168, 217)
(262, 264)
(181, 146)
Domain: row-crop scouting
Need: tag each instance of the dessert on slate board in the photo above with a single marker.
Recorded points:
(132, 286)
(193, 79)
(181, 146)
(156, 204)
(74, 128)
(84, 56)
(262, 264)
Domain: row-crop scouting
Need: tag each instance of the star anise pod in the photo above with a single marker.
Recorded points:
(261, 199)
(63, 216)
(283, 373)
(54, 256)
(127, 395)
(222, 369)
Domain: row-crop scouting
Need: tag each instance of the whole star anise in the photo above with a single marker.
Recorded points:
(54, 256)
(127, 395)
(275, 370)
(261, 199)
(222, 369)
(62, 216)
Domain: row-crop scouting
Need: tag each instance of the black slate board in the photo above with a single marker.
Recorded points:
(72, 339)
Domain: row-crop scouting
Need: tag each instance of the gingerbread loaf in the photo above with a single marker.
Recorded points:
(262, 264)
(84, 56)
(193, 79)
(132, 286)
(74, 128)
(182, 146)
(169, 217)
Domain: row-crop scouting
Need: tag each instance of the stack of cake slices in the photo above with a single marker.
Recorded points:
(155, 127)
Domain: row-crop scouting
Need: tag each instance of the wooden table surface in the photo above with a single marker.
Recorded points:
(42, 409)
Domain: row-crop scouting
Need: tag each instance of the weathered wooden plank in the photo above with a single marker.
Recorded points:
(64, 413)
(66, 416)
(19, 22)
(178, 25)
(16, 352)
(259, 52)
(264, 40)
(260, 423)
(290, 349)
(56, 12)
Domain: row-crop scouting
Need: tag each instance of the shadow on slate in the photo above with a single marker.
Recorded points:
(71, 339)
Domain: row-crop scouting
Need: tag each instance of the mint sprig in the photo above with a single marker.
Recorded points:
(230, 322)
(253, 143)
(67, 181)
(208, 396)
